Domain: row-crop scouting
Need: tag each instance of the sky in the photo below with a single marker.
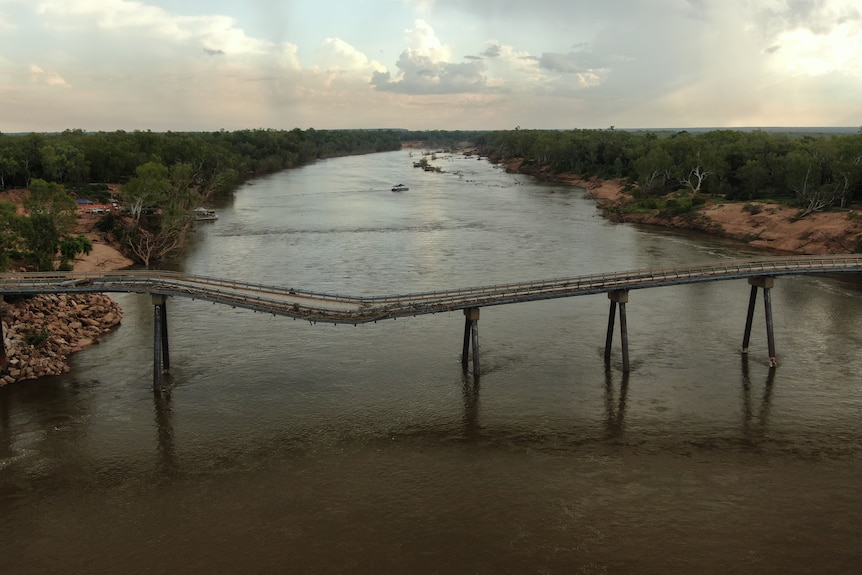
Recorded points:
(207, 65)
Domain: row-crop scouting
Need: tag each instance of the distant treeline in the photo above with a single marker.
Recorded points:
(812, 172)
(220, 160)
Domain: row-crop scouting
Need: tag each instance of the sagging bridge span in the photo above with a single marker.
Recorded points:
(331, 308)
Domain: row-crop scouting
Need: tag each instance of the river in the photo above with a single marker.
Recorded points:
(285, 447)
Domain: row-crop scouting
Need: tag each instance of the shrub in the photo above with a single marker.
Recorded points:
(37, 339)
(107, 223)
(677, 207)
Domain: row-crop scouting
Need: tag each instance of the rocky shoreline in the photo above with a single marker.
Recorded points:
(40, 333)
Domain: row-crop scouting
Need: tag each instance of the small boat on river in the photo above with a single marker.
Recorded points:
(205, 215)
(399, 188)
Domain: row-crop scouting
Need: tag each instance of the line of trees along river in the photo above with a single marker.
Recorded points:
(814, 172)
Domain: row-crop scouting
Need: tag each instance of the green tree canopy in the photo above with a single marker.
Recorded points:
(10, 237)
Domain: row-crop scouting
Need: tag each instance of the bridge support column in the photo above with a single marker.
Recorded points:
(161, 351)
(4, 359)
(471, 333)
(766, 283)
(620, 297)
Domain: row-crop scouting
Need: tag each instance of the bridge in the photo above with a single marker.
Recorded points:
(332, 308)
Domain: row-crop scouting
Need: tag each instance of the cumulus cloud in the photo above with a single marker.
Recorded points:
(336, 54)
(421, 75)
(424, 67)
(543, 63)
(138, 20)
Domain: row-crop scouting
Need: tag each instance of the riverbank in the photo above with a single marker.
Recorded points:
(763, 225)
(106, 254)
(41, 333)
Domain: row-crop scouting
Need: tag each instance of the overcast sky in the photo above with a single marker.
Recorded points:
(428, 64)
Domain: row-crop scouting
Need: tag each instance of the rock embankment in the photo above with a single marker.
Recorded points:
(40, 333)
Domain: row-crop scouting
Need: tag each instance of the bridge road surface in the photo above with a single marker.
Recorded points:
(333, 308)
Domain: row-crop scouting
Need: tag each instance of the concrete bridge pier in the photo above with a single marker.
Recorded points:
(766, 283)
(4, 360)
(620, 297)
(161, 350)
(471, 333)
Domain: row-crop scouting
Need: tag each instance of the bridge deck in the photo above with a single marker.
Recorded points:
(332, 308)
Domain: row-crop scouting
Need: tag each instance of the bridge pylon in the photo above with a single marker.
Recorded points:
(4, 360)
(161, 350)
(620, 297)
(766, 283)
(471, 334)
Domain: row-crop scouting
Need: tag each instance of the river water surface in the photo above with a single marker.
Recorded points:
(284, 447)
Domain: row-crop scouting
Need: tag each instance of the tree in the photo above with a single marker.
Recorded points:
(8, 168)
(804, 176)
(146, 189)
(64, 163)
(52, 216)
(10, 238)
(160, 234)
(147, 245)
(70, 247)
(754, 180)
(653, 169)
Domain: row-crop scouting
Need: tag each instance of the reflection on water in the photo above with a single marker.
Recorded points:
(616, 409)
(754, 421)
(168, 463)
(284, 447)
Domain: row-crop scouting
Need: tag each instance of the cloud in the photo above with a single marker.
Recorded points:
(568, 64)
(820, 17)
(40, 76)
(811, 38)
(136, 20)
(564, 63)
(336, 54)
(170, 64)
(421, 75)
(424, 67)
(492, 51)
